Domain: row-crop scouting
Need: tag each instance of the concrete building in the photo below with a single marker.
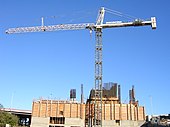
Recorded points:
(50, 113)
(57, 113)
(115, 113)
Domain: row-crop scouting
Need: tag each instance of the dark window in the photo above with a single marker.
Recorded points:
(57, 120)
(118, 122)
(61, 113)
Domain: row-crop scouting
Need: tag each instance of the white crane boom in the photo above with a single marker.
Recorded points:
(49, 28)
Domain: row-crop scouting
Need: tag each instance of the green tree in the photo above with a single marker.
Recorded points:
(7, 118)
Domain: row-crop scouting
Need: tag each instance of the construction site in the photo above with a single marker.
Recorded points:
(103, 106)
(62, 113)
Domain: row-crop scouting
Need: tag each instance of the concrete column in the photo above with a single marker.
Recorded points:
(111, 112)
(46, 114)
(51, 108)
(104, 112)
(114, 111)
(70, 109)
(120, 112)
(127, 112)
(39, 108)
(57, 109)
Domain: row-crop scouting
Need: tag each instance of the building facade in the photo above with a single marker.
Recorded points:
(57, 113)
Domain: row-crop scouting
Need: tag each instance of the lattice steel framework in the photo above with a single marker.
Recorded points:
(98, 78)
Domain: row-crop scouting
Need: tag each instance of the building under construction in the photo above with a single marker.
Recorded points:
(62, 113)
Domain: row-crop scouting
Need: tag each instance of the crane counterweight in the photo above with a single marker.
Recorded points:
(153, 20)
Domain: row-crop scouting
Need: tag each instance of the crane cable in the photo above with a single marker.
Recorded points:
(78, 15)
(120, 14)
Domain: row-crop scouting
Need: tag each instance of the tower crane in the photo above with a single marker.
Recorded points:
(97, 27)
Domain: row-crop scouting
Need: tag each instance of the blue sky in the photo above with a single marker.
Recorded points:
(49, 64)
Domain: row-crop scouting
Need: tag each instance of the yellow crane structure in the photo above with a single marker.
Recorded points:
(97, 27)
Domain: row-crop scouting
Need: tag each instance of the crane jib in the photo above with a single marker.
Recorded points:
(50, 28)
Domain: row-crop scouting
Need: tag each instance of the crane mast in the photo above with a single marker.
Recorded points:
(98, 69)
(97, 120)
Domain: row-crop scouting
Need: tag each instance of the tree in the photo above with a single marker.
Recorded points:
(1, 106)
(7, 118)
